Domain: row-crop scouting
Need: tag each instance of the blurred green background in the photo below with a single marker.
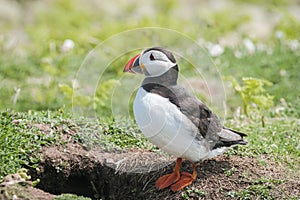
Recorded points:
(43, 44)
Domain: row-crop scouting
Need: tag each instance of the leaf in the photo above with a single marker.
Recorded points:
(252, 93)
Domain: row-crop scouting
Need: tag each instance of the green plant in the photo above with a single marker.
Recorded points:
(23, 173)
(70, 197)
(230, 171)
(99, 103)
(279, 140)
(232, 194)
(263, 191)
(21, 136)
(72, 98)
(268, 3)
(102, 99)
(255, 98)
(289, 25)
(193, 192)
(112, 133)
(259, 189)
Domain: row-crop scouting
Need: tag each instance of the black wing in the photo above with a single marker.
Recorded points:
(208, 124)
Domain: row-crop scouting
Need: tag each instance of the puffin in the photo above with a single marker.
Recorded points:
(175, 120)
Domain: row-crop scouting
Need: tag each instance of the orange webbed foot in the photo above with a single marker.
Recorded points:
(169, 179)
(186, 179)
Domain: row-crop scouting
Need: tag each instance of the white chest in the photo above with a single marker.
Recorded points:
(166, 127)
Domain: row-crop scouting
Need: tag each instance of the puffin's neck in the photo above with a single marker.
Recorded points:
(167, 79)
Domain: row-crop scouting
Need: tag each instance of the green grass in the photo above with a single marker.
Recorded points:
(280, 68)
(44, 73)
(259, 188)
(278, 140)
(268, 3)
(70, 197)
(112, 133)
(20, 138)
(23, 134)
(193, 192)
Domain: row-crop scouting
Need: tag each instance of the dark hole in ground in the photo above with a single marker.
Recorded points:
(79, 185)
(104, 185)
(89, 174)
(91, 178)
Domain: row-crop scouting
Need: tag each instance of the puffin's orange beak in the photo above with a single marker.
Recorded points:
(133, 65)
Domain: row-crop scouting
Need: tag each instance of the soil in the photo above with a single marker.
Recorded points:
(131, 174)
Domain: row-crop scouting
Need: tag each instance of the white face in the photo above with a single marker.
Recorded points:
(155, 63)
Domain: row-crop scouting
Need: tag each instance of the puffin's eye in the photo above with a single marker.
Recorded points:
(152, 57)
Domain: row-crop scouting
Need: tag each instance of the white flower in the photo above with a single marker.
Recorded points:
(249, 46)
(238, 54)
(216, 50)
(261, 47)
(67, 45)
(75, 84)
(200, 41)
(294, 45)
(279, 34)
(282, 72)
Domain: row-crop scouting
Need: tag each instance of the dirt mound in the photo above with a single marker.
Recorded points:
(131, 174)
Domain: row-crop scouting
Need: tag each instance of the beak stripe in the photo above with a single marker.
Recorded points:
(131, 63)
(136, 62)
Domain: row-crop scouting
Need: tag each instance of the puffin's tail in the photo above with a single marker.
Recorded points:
(229, 137)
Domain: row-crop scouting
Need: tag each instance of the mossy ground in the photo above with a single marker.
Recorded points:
(271, 159)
